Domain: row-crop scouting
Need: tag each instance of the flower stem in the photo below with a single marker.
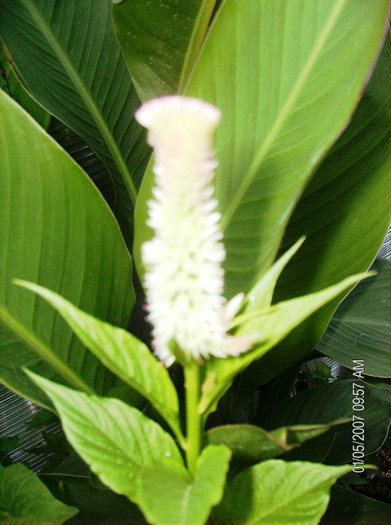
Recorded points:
(193, 419)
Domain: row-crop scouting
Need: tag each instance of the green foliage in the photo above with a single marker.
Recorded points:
(58, 231)
(363, 322)
(167, 497)
(294, 492)
(251, 444)
(20, 491)
(285, 96)
(161, 41)
(68, 82)
(117, 441)
(322, 404)
(121, 353)
(287, 76)
(9, 83)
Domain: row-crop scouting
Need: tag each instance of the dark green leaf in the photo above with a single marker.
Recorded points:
(11, 85)
(361, 326)
(72, 64)
(250, 444)
(350, 508)
(323, 404)
(161, 41)
(25, 499)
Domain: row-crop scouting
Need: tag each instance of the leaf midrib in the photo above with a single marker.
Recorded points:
(85, 96)
(273, 133)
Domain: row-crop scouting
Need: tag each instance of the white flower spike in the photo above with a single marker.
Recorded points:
(184, 282)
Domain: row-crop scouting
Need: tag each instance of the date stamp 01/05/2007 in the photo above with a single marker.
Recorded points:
(358, 423)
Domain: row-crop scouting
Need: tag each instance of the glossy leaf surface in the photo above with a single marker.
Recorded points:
(57, 231)
(161, 41)
(361, 326)
(278, 492)
(72, 63)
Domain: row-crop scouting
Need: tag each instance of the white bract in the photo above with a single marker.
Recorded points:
(184, 280)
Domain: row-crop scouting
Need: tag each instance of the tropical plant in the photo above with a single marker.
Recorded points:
(303, 149)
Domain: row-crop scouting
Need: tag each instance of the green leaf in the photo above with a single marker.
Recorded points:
(278, 492)
(123, 354)
(250, 444)
(344, 213)
(25, 499)
(71, 62)
(167, 497)
(272, 326)
(361, 326)
(55, 230)
(323, 404)
(11, 85)
(161, 41)
(348, 507)
(286, 77)
(117, 441)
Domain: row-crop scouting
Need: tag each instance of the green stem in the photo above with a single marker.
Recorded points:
(193, 419)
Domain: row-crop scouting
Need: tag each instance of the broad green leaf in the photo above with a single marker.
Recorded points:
(161, 41)
(278, 492)
(55, 230)
(117, 441)
(25, 499)
(11, 85)
(123, 354)
(324, 403)
(272, 326)
(344, 213)
(71, 62)
(167, 498)
(286, 77)
(347, 506)
(250, 444)
(361, 326)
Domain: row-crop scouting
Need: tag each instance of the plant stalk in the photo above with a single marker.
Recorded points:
(193, 419)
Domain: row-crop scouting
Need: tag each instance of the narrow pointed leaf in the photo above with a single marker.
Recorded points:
(71, 62)
(279, 492)
(24, 498)
(272, 327)
(122, 353)
(56, 230)
(117, 441)
(161, 41)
